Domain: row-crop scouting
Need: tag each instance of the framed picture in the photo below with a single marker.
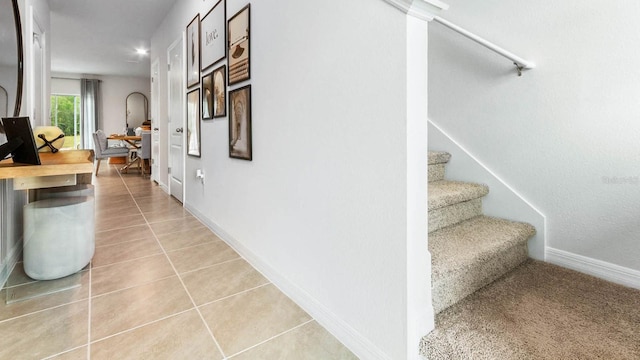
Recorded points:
(193, 122)
(240, 123)
(213, 45)
(193, 52)
(239, 56)
(220, 92)
(207, 97)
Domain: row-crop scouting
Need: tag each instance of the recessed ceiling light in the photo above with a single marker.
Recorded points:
(141, 51)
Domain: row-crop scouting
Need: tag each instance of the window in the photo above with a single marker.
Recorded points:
(65, 114)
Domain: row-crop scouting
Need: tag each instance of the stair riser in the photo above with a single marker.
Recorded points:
(436, 172)
(453, 214)
(451, 288)
(438, 157)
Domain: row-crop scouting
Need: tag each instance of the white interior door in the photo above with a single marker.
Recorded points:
(155, 129)
(176, 119)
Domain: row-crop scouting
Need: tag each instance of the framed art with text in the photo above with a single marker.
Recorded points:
(239, 49)
(193, 123)
(213, 46)
(240, 123)
(193, 52)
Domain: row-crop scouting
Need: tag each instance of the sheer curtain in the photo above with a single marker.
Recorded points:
(90, 110)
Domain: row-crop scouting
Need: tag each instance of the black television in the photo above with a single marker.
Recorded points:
(20, 141)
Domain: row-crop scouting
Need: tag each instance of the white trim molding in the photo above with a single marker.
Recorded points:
(598, 268)
(421, 9)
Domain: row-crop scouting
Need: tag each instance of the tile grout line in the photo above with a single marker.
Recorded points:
(179, 279)
(134, 286)
(90, 300)
(273, 337)
(238, 293)
(208, 266)
(141, 325)
(41, 310)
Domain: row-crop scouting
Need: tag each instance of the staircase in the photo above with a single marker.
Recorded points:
(468, 250)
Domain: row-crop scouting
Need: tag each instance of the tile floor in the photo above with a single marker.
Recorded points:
(161, 286)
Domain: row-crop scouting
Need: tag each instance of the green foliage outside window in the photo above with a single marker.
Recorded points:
(65, 114)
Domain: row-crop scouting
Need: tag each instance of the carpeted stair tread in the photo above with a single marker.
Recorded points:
(438, 157)
(459, 247)
(444, 193)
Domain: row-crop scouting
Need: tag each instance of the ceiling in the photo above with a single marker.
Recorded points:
(100, 37)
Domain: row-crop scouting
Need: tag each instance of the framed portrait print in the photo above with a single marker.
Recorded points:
(207, 97)
(240, 123)
(193, 52)
(239, 54)
(214, 35)
(220, 91)
(193, 123)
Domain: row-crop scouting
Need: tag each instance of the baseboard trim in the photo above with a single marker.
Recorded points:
(598, 268)
(351, 338)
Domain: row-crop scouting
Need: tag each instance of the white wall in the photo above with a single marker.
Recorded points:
(115, 90)
(65, 86)
(565, 134)
(322, 208)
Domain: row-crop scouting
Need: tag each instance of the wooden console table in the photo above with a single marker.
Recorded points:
(66, 167)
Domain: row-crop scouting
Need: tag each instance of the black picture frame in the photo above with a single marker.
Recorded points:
(213, 32)
(239, 48)
(240, 134)
(207, 97)
(193, 122)
(193, 52)
(219, 80)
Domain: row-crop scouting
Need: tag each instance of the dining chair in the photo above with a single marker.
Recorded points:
(102, 149)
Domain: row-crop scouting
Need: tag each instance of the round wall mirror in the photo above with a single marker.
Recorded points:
(10, 59)
(137, 110)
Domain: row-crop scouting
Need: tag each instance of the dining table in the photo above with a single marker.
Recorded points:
(134, 142)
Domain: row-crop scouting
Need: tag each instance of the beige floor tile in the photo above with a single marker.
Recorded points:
(111, 254)
(246, 319)
(182, 336)
(113, 200)
(118, 222)
(24, 307)
(200, 256)
(178, 240)
(116, 236)
(128, 274)
(218, 281)
(170, 213)
(146, 191)
(169, 226)
(111, 212)
(45, 333)
(77, 354)
(308, 342)
(157, 204)
(125, 309)
(120, 201)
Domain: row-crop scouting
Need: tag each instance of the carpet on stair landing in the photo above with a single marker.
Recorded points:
(540, 311)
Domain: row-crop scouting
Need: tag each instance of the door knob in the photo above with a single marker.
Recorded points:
(179, 130)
